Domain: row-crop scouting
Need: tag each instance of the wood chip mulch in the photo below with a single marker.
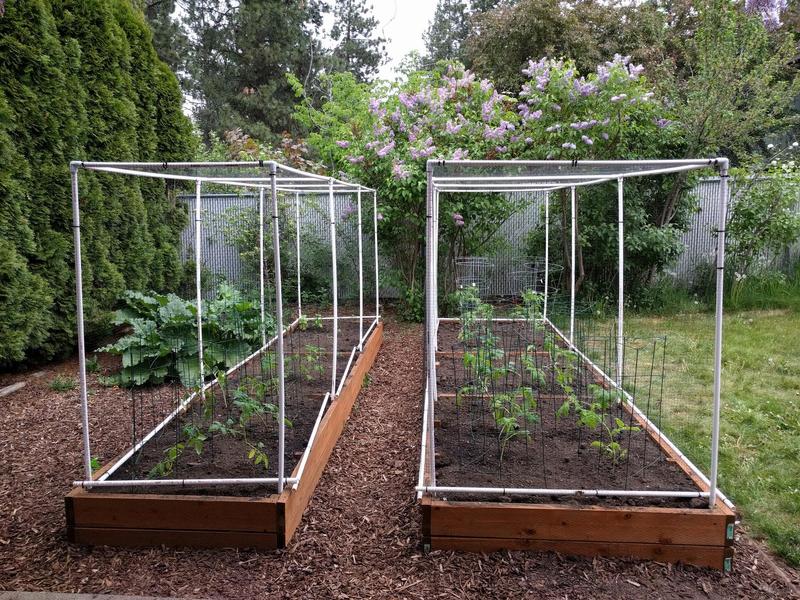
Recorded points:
(360, 537)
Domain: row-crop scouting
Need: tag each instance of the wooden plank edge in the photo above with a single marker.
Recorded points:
(701, 556)
(331, 427)
(131, 537)
(523, 520)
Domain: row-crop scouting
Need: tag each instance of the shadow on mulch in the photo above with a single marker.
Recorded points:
(359, 537)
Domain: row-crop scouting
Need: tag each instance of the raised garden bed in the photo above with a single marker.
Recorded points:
(249, 516)
(545, 446)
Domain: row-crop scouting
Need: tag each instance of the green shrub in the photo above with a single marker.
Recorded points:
(81, 80)
(163, 344)
(63, 383)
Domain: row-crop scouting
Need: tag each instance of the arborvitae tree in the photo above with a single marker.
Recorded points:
(447, 31)
(241, 52)
(169, 38)
(357, 50)
(80, 80)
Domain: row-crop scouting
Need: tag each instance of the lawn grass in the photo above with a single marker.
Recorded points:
(760, 424)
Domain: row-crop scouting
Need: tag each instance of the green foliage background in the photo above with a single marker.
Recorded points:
(81, 80)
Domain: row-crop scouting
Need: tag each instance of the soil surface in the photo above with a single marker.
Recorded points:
(360, 536)
(308, 371)
(546, 450)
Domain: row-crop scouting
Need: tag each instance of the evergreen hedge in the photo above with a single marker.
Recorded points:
(80, 79)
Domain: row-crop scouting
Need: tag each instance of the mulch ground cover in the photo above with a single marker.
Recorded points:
(360, 537)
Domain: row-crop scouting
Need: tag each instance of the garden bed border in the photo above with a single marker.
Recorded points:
(698, 536)
(95, 517)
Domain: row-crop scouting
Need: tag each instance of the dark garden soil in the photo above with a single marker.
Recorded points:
(359, 538)
(557, 453)
(308, 377)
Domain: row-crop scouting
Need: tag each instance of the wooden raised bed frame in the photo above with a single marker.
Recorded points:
(98, 518)
(697, 536)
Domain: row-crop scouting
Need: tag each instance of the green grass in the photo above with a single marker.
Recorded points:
(760, 424)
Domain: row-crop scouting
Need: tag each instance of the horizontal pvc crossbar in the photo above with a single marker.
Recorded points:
(434, 489)
(182, 406)
(135, 168)
(182, 482)
(304, 459)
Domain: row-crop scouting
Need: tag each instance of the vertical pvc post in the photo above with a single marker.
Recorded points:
(276, 249)
(573, 236)
(620, 279)
(261, 264)
(335, 288)
(297, 251)
(546, 251)
(76, 233)
(360, 278)
(198, 267)
(430, 319)
(375, 240)
(721, 225)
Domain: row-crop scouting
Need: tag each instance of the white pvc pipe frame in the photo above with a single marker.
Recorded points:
(547, 183)
(309, 183)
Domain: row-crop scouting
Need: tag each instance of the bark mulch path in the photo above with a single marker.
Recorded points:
(359, 537)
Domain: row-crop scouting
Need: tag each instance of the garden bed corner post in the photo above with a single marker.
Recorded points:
(620, 279)
(198, 268)
(431, 315)
(276, 249)
(722, 165)
(76, 232)
(335, 287)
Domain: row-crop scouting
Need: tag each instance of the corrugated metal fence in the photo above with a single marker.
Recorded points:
(227, 218)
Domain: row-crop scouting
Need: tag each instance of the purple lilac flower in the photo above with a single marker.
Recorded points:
(356, 159)
(556, 107)
(618, 98)
(374, 105)
(568, 145)
(605, 121)
(542, 81)
(343, 144)
(768, 10)
(379, 216)
(554, 127)
(663, 122)
(587, 140)
(603, 73)
(347, 210)
(459, 154)
(635, 70)
(386, 149)
(604, 135)
(399, 170)
(458, 220)
(528, 140)
(452, 128)
(406, 100)
(584, 88)
(500, 148)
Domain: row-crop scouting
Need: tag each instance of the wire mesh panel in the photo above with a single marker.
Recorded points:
(541, 393)
(226, 376)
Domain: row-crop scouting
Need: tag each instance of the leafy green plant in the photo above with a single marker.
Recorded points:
(63, 383)
(167, 465)
(163, 342)
(95, 464)
(531, 308)
(508, 409)
(311, 362)
(612, 448)
(92, 364)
